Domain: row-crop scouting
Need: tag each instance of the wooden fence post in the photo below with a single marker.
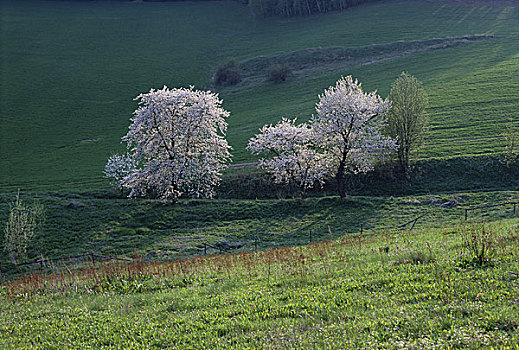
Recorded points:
(466, 214)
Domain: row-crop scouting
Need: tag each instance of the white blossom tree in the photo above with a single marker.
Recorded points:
(118, 168)
(178, 136)
(348, 127)
(290, 155)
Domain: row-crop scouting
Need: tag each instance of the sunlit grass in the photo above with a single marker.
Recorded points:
(388, 290)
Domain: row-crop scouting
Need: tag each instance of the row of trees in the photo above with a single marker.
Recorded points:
(344, 137)
(291, 8)
(176, 142)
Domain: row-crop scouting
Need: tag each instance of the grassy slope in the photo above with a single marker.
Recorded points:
(392, 291)
(63, 86)
(73, 79)
(159, 230)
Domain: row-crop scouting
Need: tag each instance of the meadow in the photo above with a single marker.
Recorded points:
(396, 290)
(318, 272)
(69, 84)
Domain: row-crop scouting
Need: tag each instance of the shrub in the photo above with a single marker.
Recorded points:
(511, 137)
(21, 226)
(279, 73)
(227, 74)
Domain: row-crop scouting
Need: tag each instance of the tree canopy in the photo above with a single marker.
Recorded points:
(177, 137)
(407, 119)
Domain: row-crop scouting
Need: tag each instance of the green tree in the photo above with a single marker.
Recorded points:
(407, 119)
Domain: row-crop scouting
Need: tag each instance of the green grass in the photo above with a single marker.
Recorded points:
(69, 73)
(395, 290)
(160, 231)
(71, 69)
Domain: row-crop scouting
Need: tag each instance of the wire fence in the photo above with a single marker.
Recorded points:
(486, 206)
(225, 246)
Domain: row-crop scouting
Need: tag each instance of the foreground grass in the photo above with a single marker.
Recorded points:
(418, 289)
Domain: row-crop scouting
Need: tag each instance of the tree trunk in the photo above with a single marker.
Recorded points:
(405, 160)
(340, 180)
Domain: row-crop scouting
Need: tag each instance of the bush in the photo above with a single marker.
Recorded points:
(23, 223)
(279, 73)
(511, 136)
(227, 74)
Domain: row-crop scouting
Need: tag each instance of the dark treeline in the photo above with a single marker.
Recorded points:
(283, 8)
(292, 8)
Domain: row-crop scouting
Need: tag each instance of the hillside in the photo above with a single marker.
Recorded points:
(93, 222)
(68, 84)
(421, 260)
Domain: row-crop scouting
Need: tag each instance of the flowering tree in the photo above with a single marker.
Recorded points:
(348, 127)
(178, 137)
(290, 154)
(118, 168)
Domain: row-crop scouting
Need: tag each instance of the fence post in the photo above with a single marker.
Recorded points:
(205, 249)
(361, 228)
(310, 235)
(414, 223)
(466, 214)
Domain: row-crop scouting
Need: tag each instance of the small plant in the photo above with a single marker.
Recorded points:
(478, 243)
(415, 254)
(24, 221)
(511, 155)
(227, 74)
(279, 73)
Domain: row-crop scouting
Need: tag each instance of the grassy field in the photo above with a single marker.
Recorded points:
(425, 289)
(319, 272)
(71, 69)
(83, 223)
